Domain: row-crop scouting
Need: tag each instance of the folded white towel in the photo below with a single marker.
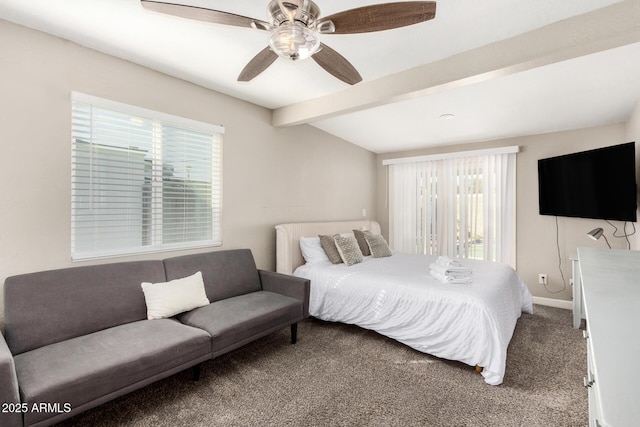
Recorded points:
(445, 278)
(444, 261)
(449, 270)
(457, 269)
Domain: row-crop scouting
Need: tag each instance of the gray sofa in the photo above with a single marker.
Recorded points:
(79, 337)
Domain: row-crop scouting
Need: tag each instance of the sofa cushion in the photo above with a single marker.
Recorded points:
(225, 273)
(85, 369)
(239, 320)
(52, 306)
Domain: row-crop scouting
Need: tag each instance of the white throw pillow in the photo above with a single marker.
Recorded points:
(174, 297)
(312, 250)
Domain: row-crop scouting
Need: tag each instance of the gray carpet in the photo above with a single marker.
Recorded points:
(341, 375)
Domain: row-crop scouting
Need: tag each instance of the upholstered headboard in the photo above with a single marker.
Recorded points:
(288, 254)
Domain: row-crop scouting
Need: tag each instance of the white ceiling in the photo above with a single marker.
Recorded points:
(504, 68)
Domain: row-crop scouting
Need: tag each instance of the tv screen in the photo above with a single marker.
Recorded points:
(598, 184)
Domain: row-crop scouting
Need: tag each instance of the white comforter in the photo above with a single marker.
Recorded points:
(397, 297)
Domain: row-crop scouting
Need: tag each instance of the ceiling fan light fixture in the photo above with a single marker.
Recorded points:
(294, 41)
(295, 27)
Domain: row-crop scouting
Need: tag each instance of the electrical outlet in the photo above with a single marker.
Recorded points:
(542, 279)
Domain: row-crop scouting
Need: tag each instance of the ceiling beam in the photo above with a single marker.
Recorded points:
(603, 29)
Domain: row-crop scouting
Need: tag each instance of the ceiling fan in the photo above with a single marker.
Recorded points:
(295, 27)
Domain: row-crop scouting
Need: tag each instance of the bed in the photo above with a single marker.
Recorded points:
(397, 297)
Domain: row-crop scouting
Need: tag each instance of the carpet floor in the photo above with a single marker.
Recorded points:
(342, 375)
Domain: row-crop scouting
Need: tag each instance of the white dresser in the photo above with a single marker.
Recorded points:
(610, 282)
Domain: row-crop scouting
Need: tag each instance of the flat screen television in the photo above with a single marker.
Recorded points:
(598, 184)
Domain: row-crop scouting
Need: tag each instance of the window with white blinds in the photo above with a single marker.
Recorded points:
(142, 181)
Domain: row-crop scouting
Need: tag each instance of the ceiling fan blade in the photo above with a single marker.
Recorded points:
(258, 64)
(336, 65)
(206, 15)
(378, 17)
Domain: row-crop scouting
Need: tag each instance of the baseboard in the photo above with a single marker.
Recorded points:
(552, 302)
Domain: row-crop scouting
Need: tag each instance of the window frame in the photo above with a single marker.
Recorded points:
(157, 210)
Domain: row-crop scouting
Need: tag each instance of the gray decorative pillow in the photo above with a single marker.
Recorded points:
(329, 246)
(348, 249)
(378, 246)
(362, 242)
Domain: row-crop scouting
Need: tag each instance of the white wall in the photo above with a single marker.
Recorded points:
(270, 175)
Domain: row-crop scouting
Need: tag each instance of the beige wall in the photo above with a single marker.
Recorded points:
(536, 234)
(270, 175)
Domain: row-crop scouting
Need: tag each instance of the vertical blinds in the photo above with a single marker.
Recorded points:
(461, 206)
(142, 181)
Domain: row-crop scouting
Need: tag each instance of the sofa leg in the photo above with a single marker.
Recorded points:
(196, 372)
(294, 333)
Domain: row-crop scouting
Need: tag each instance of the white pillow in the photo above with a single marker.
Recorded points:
(312, 250)
(174, 297)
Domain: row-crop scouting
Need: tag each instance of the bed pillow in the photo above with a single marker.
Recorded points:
(329, 245)
(378, 246)
(177, 296)
(312, 250)
(362, 242)
(348, 248)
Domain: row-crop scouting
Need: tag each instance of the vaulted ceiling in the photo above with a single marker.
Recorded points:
(501, 68)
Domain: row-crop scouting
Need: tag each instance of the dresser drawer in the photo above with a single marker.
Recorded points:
(591, 384)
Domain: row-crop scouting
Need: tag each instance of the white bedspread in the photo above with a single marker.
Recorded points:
(397, 297)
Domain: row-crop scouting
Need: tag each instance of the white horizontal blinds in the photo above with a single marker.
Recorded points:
(190, 196)
(111, 162)
(140, 184)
